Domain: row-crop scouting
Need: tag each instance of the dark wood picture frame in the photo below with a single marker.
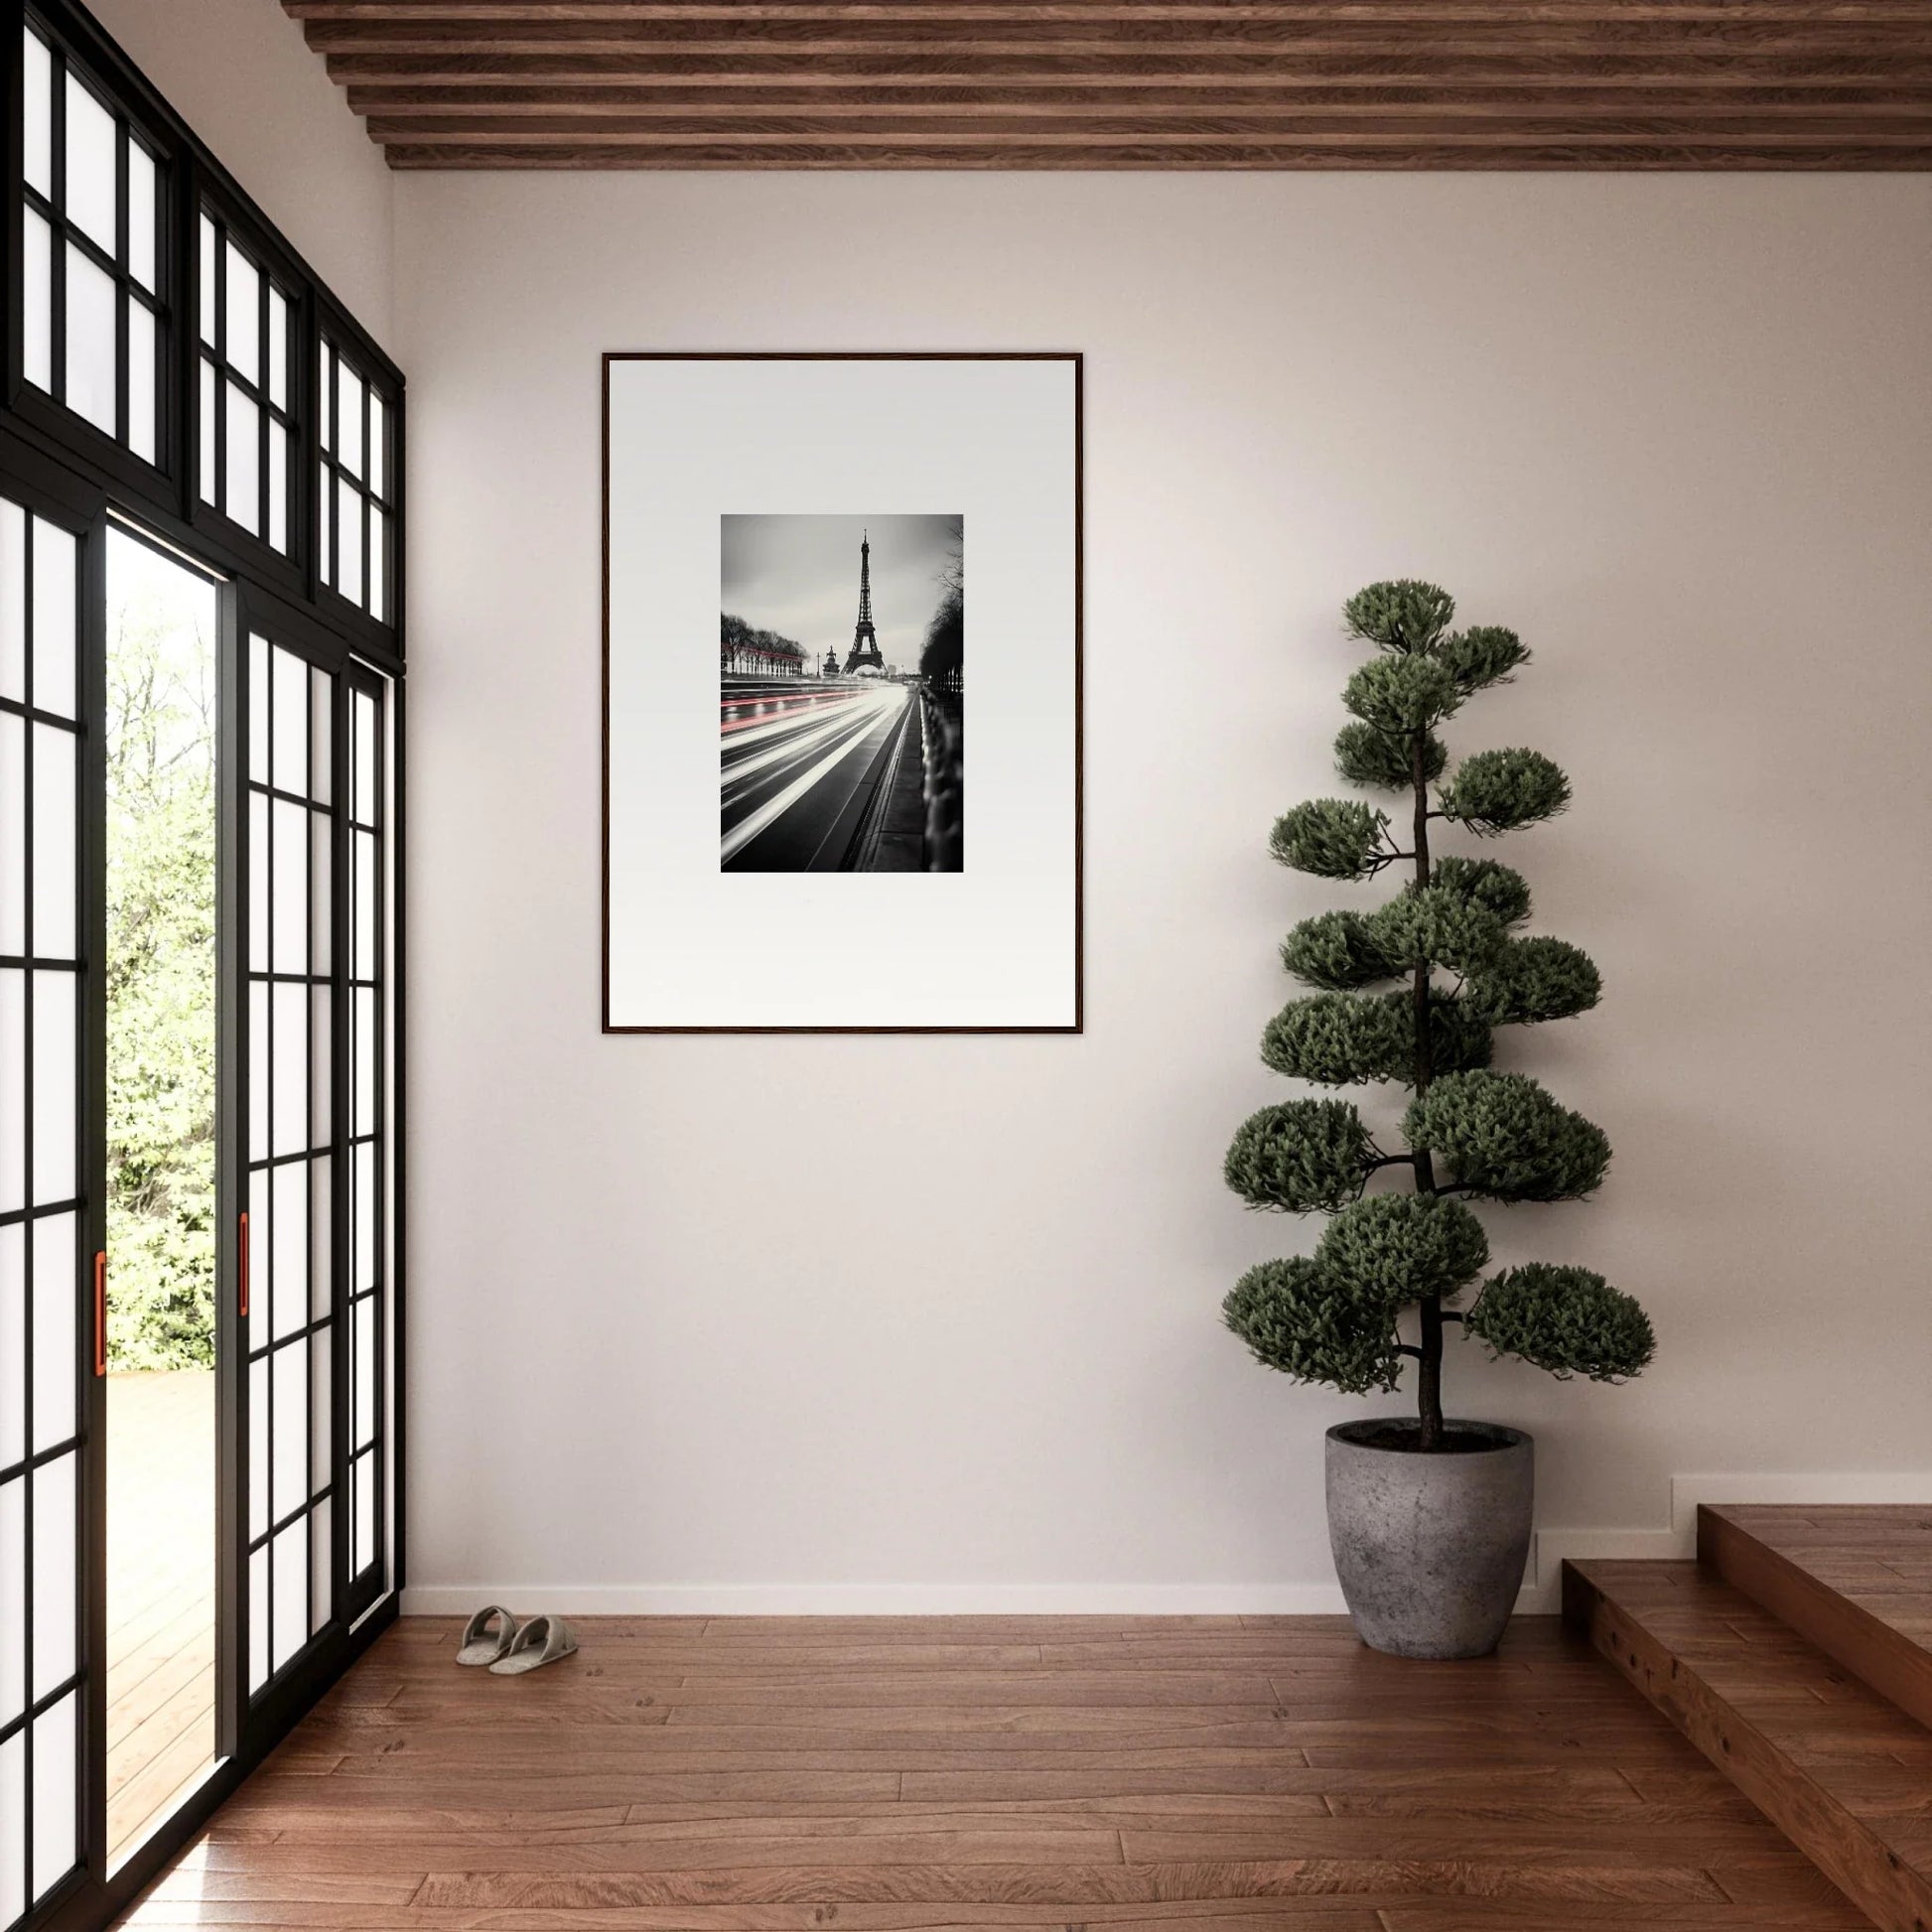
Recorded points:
(1077, 359)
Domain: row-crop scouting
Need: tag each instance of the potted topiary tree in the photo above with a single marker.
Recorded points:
(1430, 1518)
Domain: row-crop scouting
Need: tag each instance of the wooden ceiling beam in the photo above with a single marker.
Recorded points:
(1201, 155)
(1568, 97)
(1130, 15)
(1135, 83)
(860, 131)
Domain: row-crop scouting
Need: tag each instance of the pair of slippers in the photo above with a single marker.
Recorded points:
(495, 1638)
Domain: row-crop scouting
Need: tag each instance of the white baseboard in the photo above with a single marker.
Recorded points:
(1675, 1538)
(1676, 1541)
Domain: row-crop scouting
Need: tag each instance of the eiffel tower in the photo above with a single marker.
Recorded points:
(864, 640)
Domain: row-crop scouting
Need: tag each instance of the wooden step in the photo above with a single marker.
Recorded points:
(1844, 1773)
(1857, 1579)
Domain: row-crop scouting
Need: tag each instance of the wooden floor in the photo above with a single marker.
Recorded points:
(871, 1774)
(160, 1595)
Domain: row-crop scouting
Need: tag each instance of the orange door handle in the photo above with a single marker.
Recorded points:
(100, 1314)
(242, 1250)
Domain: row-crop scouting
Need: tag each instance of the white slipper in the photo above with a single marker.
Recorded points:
(540, 1641)
(481, 1644)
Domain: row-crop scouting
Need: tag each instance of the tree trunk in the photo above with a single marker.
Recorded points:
(1428, 1379)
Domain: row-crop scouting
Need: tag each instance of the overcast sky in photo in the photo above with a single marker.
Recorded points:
(799, 576)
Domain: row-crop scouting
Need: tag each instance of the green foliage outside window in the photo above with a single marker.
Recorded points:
(160, 984)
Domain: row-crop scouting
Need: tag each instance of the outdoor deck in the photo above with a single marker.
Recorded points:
(160, 1595)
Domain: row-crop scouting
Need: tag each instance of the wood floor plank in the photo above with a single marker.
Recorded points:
(753, 1775)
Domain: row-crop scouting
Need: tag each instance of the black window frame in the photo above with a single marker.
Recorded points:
(57, 461)
(288, 571)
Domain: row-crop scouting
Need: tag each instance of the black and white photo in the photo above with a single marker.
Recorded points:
(841, 668)
(790, 842)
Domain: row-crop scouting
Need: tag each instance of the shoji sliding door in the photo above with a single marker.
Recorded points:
(170, 365)
(50, 1134)
(288, 1287)
(312, 1310)
(366, 1404)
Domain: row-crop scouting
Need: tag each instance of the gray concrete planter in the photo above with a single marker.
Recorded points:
(1429, 1549)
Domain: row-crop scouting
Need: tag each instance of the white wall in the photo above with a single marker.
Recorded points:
(744, 1322)
(242, 77)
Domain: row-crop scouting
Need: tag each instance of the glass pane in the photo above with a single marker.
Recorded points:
(291, 760)
(257, 882)
(349, 421)
(54, 1572)
(37, 300)
(13, 1596)
(365, 1551)
(13, 834)
(209, 456)
(349, 540)
(57, 1354)
(258, 1616)
(244, 294)
(208, 259)
(53, 1742)
(13, 602)
(321, 894)
(54, 861)
(13, 1087)
(258, 1449)
(92, 139)
(278, 487)
(291, 1424)
(379, 566)
(364, 966)
(291, 1062)
(365, 1046)
(244, 477)
(321, 1087)
(13, 1369)
(320, 1547)
(321, 1242)
(322, 711)
(325, 513)
(140, 381)
(291, 887)
(13, 1803)
(260, 1257)
(90, 342)
(56, 555)
(291, 1590)
(326, 425)
(36, 127)
(364, 759)
(258, 689)
(291, 1249)
(363, 1275)
(363, 1430)
(258, 1045)
(278, 348)
(141, 214)
(54, 1043)
(378, 445)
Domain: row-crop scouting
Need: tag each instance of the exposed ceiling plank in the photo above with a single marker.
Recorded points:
(1135, 83)
(1023, 157)
(1394, 102)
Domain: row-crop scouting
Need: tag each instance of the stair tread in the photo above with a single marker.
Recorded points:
(1855, 1580)
(1844, 1772)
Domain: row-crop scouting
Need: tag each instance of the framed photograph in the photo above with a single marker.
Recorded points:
(795, 838)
